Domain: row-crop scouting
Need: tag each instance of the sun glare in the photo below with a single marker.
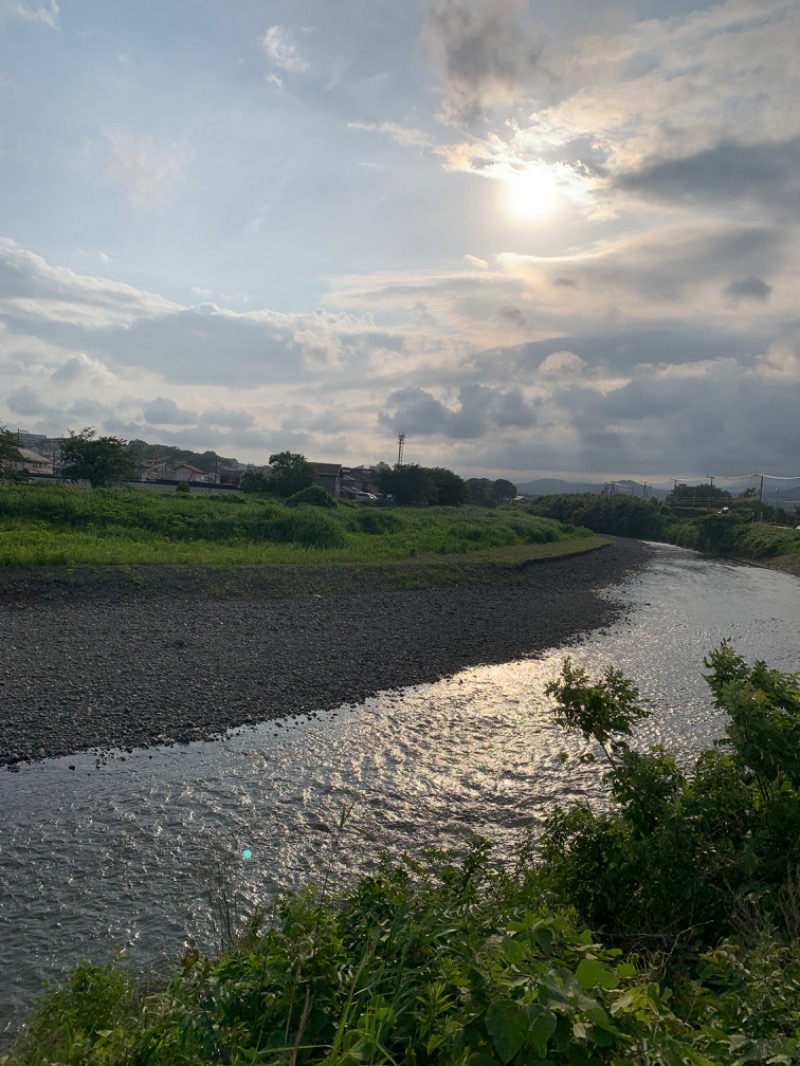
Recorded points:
(533, 193)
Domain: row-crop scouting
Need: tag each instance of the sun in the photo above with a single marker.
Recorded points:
(533, 192)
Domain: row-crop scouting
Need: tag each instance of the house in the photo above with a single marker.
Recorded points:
(147, 469)
(31, 462)
(358, 480)
(184, 472)
(329, 476)
(228, 476)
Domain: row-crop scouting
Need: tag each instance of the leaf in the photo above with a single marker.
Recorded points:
(507, 1024)
(542, 1024)
(590, 972)
(543, 938)
(514, 950)
(625, 970)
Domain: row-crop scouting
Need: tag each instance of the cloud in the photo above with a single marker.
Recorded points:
(230, 418)
(279, 47)
(27, 401)
(487, 52)
(165, 412)
(406, 136)
(478, 409)
(561, 365)
(45, 13)
(748, 289)
(476, 261)
(152, 175)
(766, 173)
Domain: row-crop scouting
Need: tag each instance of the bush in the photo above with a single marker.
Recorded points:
(183, 486)
(305, 526)
(314, 495)
(679, 850)
(374, 522)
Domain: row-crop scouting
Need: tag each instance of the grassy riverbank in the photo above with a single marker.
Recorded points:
(689, 878)
(57, 526)
(729, 534)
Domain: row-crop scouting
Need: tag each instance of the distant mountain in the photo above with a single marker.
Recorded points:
(550, 486)
(207, 461)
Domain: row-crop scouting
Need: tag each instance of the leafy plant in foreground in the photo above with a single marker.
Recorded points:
(679, 849)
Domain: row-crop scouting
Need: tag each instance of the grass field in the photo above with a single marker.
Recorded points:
(45, 525)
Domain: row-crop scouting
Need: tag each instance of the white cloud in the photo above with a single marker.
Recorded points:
(280, 49)
(45, 13)
(152, 175)
(407, 136)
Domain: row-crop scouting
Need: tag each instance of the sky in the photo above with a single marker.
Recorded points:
(538, 238)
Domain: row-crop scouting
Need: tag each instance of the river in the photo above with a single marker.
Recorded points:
(130, 851)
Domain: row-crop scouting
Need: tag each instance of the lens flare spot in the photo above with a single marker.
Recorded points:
(247, 854)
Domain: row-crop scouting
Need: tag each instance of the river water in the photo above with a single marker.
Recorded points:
(133, 851)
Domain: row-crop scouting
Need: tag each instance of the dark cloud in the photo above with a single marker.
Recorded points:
(27, 401)
(488, 54)
(748, 289)
(232, 418)
(565, 283)
(165, 412)
(479, 410)
(766, 173)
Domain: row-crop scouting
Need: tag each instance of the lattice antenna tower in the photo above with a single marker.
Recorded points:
(401, 440)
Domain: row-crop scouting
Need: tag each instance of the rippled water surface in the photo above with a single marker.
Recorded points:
(125, 851)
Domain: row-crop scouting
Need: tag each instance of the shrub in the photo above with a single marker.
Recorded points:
(375, 522)
(314, 495)
(305, 526)
(679, 849)
(183, 486)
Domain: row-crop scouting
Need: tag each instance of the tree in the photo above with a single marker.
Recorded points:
(451, 490)
(503, 490)
(291, 473)
(480, 492)
(686, 494)
(9, 449)
(99, 460)
(255, 481)
(409, 483)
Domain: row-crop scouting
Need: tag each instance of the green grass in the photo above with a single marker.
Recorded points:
(56, 526)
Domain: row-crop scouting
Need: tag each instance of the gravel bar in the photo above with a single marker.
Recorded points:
(111, 657)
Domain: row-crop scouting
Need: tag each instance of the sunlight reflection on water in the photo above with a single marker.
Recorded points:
(114, 853)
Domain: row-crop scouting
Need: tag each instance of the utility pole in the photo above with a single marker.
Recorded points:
(401, 440)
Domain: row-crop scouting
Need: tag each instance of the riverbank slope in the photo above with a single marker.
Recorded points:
(130, 657)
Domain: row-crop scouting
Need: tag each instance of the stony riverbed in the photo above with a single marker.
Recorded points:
(120, 658)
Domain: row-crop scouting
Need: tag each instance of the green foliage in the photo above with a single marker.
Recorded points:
(451, 491)
(442, 959)
(57, 525)
(207, 461)
(9, 449)
(413, 484)
(623, 516)
(688, 493)
(314, 496)
(602, 711)
(375, 522)
(99, 460)
(733, 533)
(291, 473)
(408, 483)
(486, 493)
(254, 481)
(680, 849)
(183, 488)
